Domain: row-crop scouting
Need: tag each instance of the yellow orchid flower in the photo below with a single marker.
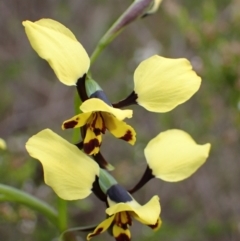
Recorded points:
(69, 171)
(122, 208)
(98, 116)
(3, 144)
(72, 175)
(59, 47)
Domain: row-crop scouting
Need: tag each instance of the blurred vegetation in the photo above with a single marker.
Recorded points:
(203, 207)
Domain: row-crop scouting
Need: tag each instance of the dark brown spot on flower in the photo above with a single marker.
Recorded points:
(98, 231)
(89, 147)
(156, 225)
(70, 124)
(100, 129)
(97, 131)
(122, 237)
(128, 136)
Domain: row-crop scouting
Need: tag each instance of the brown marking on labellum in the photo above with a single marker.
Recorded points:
(97, 131)
(129, 222)
(154, 226)
(121, 223)
(70, 124)
(98, 231)
(89, 147)
(128, 136)
(122, 237)
(94, 120)
(104, 126)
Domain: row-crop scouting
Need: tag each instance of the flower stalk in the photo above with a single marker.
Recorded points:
(14, 195)
(135, 11)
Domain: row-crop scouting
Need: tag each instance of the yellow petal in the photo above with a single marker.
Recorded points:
(67, 170)
(3, 145)
(102, 227)
(121, 234)
(56, 26)
(94, 105)
(173, 155)
(56, 44)
(119, 128)
(146, 214)
(76, 121)
(161, 84)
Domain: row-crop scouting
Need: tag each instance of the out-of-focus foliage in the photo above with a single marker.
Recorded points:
(204, 207)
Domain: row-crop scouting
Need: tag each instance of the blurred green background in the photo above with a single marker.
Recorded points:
(203, 207)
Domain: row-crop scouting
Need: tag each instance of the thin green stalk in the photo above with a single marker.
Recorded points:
(77, 103)
(14, 195)
(62, 214)
(135, 10)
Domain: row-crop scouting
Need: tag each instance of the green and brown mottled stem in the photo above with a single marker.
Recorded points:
(135, 11)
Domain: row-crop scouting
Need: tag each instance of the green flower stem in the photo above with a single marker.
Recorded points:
(14, 195)
(135, 11)
(77, 103)
(62, 214)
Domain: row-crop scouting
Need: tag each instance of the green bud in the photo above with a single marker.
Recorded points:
(91, 87)
(106, 180)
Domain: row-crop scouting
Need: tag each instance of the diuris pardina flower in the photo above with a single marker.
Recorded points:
(98, 116)
(70, 62)
(122, 208)
(72, 174)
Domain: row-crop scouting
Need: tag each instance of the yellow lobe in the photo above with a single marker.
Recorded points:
(119, 128)
(121, 233)
(173, 155)
(161, 84)
(69, 171)
(102, 227)
(94, 105)
(147, 214)
(59, 47)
